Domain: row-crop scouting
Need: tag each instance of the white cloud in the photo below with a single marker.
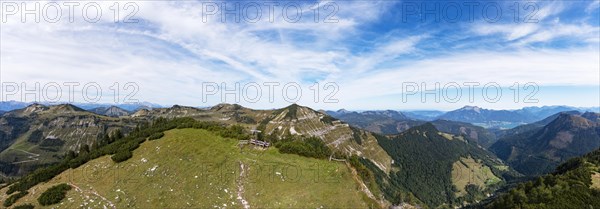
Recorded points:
(550, 9)
(171, 51)
(510, 31)
(386, 51)
(557, 30)
(578, 66)
(523, 34)
(594, 5)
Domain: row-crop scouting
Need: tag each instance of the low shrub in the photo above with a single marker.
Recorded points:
(13, 198)
(156, 136)
(121, 156)
(54, 194)
(308, 147)
(26, 206)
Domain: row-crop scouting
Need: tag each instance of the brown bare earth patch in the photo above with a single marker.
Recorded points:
(596, 180)
(562, 140)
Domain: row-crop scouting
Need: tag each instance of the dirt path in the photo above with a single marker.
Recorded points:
(240, 185)
(32, 157)
(596, 180)
(363, 187)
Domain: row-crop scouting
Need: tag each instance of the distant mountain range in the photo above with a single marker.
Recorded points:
(498, 119)
(426, 115)
(382, 122)
(488, 118)
(112, 111)
(392, 122)
(507, 118)
(6, 106)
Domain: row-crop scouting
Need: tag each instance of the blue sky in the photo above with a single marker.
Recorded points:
(368, 53)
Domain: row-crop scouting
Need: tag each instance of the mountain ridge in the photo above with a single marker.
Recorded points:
(446, 149)
(538, 149)
(422, 156)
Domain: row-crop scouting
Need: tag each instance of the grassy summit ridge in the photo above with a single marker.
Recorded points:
(196, 168)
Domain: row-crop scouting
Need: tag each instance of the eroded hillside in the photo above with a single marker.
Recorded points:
(39, 135)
